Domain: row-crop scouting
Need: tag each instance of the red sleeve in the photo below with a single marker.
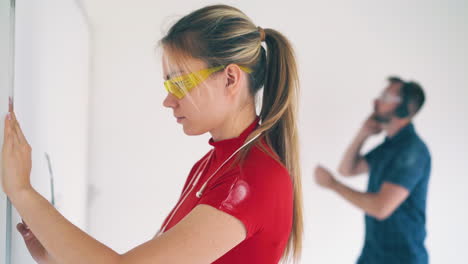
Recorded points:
(254, 194)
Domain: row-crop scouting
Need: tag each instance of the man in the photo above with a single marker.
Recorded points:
(399, 168)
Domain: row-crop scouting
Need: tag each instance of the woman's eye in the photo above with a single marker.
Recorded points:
(180, 85)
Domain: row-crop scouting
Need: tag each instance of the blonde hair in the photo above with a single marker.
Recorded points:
(223, 35)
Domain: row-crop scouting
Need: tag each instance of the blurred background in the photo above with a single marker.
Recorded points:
(88, 90)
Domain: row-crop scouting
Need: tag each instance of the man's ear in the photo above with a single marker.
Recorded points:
(233, 76)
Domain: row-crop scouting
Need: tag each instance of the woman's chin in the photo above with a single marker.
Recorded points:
(190, 131)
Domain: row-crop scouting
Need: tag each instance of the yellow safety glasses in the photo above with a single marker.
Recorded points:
(181, 85)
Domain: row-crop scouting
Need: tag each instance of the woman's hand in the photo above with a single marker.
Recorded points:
(37, 251)
(16, 156)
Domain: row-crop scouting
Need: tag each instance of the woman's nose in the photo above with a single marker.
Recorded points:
(170, 101)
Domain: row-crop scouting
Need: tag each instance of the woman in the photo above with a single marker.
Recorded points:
(242, 201)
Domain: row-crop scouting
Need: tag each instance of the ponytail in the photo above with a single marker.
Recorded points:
(278, 117)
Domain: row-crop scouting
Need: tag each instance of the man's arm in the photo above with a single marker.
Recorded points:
(353, 163)
(379, 205)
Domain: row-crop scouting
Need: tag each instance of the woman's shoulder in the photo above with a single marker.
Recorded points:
(263, 164)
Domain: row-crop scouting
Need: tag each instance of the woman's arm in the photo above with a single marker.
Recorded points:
(201, 237)
(64, 242)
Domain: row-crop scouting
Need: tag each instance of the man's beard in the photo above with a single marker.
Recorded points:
(383, 118)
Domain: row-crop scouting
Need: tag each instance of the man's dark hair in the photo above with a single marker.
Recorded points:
(412, 96)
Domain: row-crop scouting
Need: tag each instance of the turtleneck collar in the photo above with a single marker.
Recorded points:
(224, 148)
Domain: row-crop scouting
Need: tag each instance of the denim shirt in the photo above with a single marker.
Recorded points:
(403, 160)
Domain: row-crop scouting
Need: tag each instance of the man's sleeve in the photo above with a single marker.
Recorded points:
(370, 157)
(408, 168)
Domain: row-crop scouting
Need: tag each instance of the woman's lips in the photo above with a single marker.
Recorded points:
(180, 119)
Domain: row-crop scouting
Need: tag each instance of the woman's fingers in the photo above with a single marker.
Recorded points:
(10, 105)
(20, 227)
(17, 129)
(24, 223)
(24, 231)
(7, 135)
(13, 133)
(11, 118)
(14, 126)
(6, 123)
(21, 135)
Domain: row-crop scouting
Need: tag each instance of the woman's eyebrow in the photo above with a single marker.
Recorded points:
(168, 77)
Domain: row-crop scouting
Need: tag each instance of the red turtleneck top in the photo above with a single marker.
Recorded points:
(257, 191)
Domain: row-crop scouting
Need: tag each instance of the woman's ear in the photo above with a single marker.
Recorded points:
(233, 75)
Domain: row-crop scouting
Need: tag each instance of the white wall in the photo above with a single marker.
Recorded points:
(6, 90)
(51, 102)
(139, 157)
